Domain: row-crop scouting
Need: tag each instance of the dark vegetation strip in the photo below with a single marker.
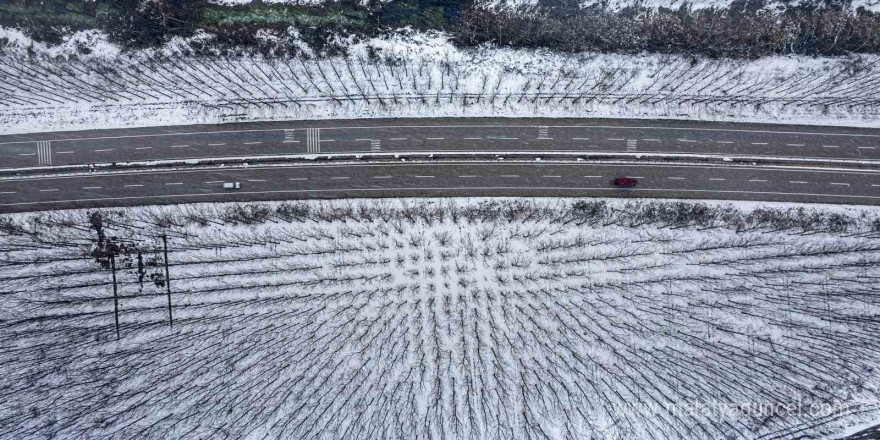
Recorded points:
(746, 29)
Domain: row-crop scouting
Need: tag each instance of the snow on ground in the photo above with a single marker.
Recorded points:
(423, 75)
(458, 319)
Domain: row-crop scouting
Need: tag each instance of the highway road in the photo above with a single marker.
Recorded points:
(441, 179)
(364, 136)
(410, 179)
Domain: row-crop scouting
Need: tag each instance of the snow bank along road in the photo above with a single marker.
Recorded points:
(440, 179)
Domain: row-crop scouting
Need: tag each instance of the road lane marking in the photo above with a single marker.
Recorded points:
(716, 178)
(759, 143)
(830, 146)
(8, 192)
(434, 139)
(339, 178)
(398, 139)
(839, 183)
(298, 178)
(801, 145)
(467, 176)
(214, 181)
(510, 175)
(381, 177)
(103, 150)
(724, 142)
(49, 190)
(91, 187)
(866, 148)
(686, 140)
(27, 154)
(132, 186)
(290, 142)
(424, 177)
(44, 148)
(179, 146)
(616, 139)
(797, 181)
(216, 145)
(581, 139)
(313, 140)
(256, 180)
(593, 177)
(675, 178)
(174, 183)
(473, 139)
(757, 180)
(142, 148)
(252, 143)
(651, 140)
(64, 152)
(552, 177)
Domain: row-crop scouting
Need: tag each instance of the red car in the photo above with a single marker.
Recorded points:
(625, 182)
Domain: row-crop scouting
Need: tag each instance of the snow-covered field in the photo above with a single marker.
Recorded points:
(418, 75)
(447, 319)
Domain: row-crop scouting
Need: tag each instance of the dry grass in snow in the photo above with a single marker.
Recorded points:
(421, 75)
(493, 319)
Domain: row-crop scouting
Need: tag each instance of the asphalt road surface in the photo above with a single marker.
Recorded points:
(441, 179)
(477, 134)
(405, 179)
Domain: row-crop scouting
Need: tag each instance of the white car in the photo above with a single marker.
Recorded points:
(232, 185)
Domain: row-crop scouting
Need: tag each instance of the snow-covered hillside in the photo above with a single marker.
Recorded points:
(419, 75)
(457, 319)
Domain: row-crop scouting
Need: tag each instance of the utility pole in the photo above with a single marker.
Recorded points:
(167, 280)
(115, 295)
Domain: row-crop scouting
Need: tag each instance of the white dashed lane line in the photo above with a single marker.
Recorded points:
(716, 178)
(510, 175)
(757, 180)
(686, 140)
(103, 150)
(27, 154)
(473, 139)
(133, 186)
(434, 139)
(179, 146)
(724, 142)
(8, 192)
(424, 177)
(252, 143)
(580, 139)
(142, 148)
(339, 178)
(830, 146)
(91, 187)
(759, 143)
(866, 148)
(616, 139)
(651, 140)
(214, 181)
(216, 145)
(64, 152)
(593, 177)
(49, 190)
(174, 183)
(839, 184)
(298, 178)
(798, 145)
(398, 139)
(256, 180)
(551, 177)
(675, 178)
(467, 177)
(381, 177)
(800, 182)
